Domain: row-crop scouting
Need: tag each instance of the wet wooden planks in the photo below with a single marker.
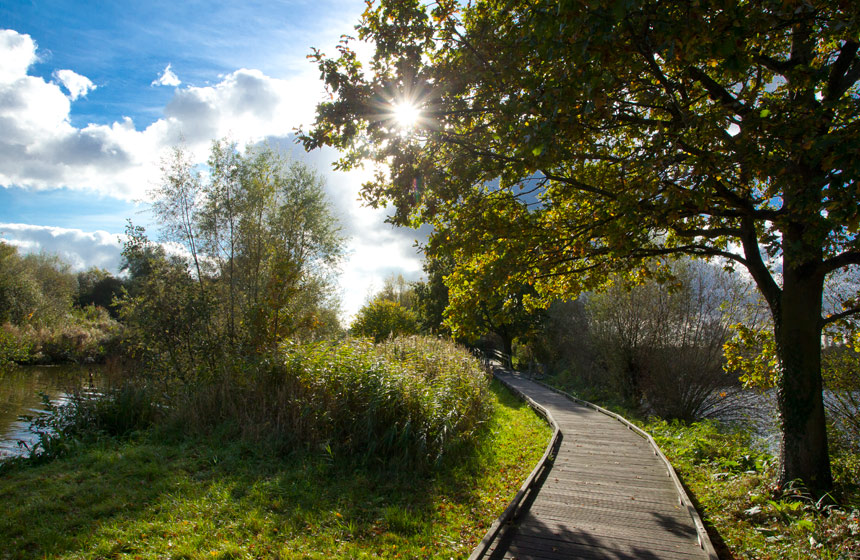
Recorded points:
(607, 495)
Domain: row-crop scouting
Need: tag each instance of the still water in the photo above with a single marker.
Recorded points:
(19, 395)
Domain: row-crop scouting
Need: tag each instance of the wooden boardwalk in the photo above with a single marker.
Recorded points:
(604, 492)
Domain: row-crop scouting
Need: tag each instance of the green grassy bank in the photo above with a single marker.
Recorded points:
(750, 516)
(157, 496)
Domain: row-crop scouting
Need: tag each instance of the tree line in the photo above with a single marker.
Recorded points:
(48, 313)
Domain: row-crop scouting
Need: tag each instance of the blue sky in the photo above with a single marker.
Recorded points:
(92, 94)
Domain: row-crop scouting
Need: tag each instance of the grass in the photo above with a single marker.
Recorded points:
(755, 519)
(153, 496)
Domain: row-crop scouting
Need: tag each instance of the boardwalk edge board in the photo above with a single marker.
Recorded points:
(512, 509)
(704, 540)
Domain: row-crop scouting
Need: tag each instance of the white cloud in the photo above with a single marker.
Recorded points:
(78, 248)
(19, 52)
(77, 85)
(372, 256)
(167, 78)
(40, 149)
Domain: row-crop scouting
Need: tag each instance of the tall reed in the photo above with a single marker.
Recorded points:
(409, 400)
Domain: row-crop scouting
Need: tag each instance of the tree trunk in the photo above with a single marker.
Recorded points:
(803, 451)
(507, 347)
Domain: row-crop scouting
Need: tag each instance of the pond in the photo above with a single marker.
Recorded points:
(19, 395)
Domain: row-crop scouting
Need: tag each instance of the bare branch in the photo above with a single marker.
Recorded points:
(839, 316)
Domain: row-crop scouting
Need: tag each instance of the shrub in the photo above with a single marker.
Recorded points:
(382, 318)
(85, 336)
(85, 415)
(409, 400)
(12, 348)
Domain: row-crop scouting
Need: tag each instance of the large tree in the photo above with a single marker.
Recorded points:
(551, 141)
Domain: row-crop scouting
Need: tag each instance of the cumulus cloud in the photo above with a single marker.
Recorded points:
(78, 248)
(40, 149)
(19, 53)
(75, 84)
(167, 78)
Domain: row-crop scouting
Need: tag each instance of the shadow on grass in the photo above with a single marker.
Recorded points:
(196, 498)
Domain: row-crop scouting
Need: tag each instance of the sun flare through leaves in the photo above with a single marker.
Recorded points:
(406, 114)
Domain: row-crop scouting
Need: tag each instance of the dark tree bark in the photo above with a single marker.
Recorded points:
(803, 450)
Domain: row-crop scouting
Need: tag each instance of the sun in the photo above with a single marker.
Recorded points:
(406, 114)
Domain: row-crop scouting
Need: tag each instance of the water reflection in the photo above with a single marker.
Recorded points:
(19, 395)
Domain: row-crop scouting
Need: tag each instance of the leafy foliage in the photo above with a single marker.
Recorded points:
(734, 483)
(261, 244)
(383, 318)
(751, 354)
(42, 319)
(560, 142)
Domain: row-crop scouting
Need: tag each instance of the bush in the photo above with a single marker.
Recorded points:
(409, 400)
(86, 335)
(12, 348)
(382, 318)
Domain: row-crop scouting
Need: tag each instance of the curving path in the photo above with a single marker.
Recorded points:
(604, 491)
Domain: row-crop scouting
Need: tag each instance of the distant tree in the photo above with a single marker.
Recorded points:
(398, 290)
(165, 316)
(661, 343)
(561, 141)
(98, 287)
(261, 241)
(431, 296)
(57, 286)
(382, 318)
(19, 292)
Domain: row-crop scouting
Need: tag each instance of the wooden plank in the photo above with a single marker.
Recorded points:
(622, 522)
(610, 502)
(531, 550)
(606, 495)
(653, 498)
(627, 509)
(567, 533)
(591, 548)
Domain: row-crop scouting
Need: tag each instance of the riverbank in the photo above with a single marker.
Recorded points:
(152, 497)
(84, 336)
(22, 390)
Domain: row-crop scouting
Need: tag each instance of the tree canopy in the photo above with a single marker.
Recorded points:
(557, 141)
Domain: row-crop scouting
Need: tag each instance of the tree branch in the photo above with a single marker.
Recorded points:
(754, 263)
(777, 66)
(844, 259)
(839, 316)
(844, 72)
(718, 92)
(710, 233)
(585, 187)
